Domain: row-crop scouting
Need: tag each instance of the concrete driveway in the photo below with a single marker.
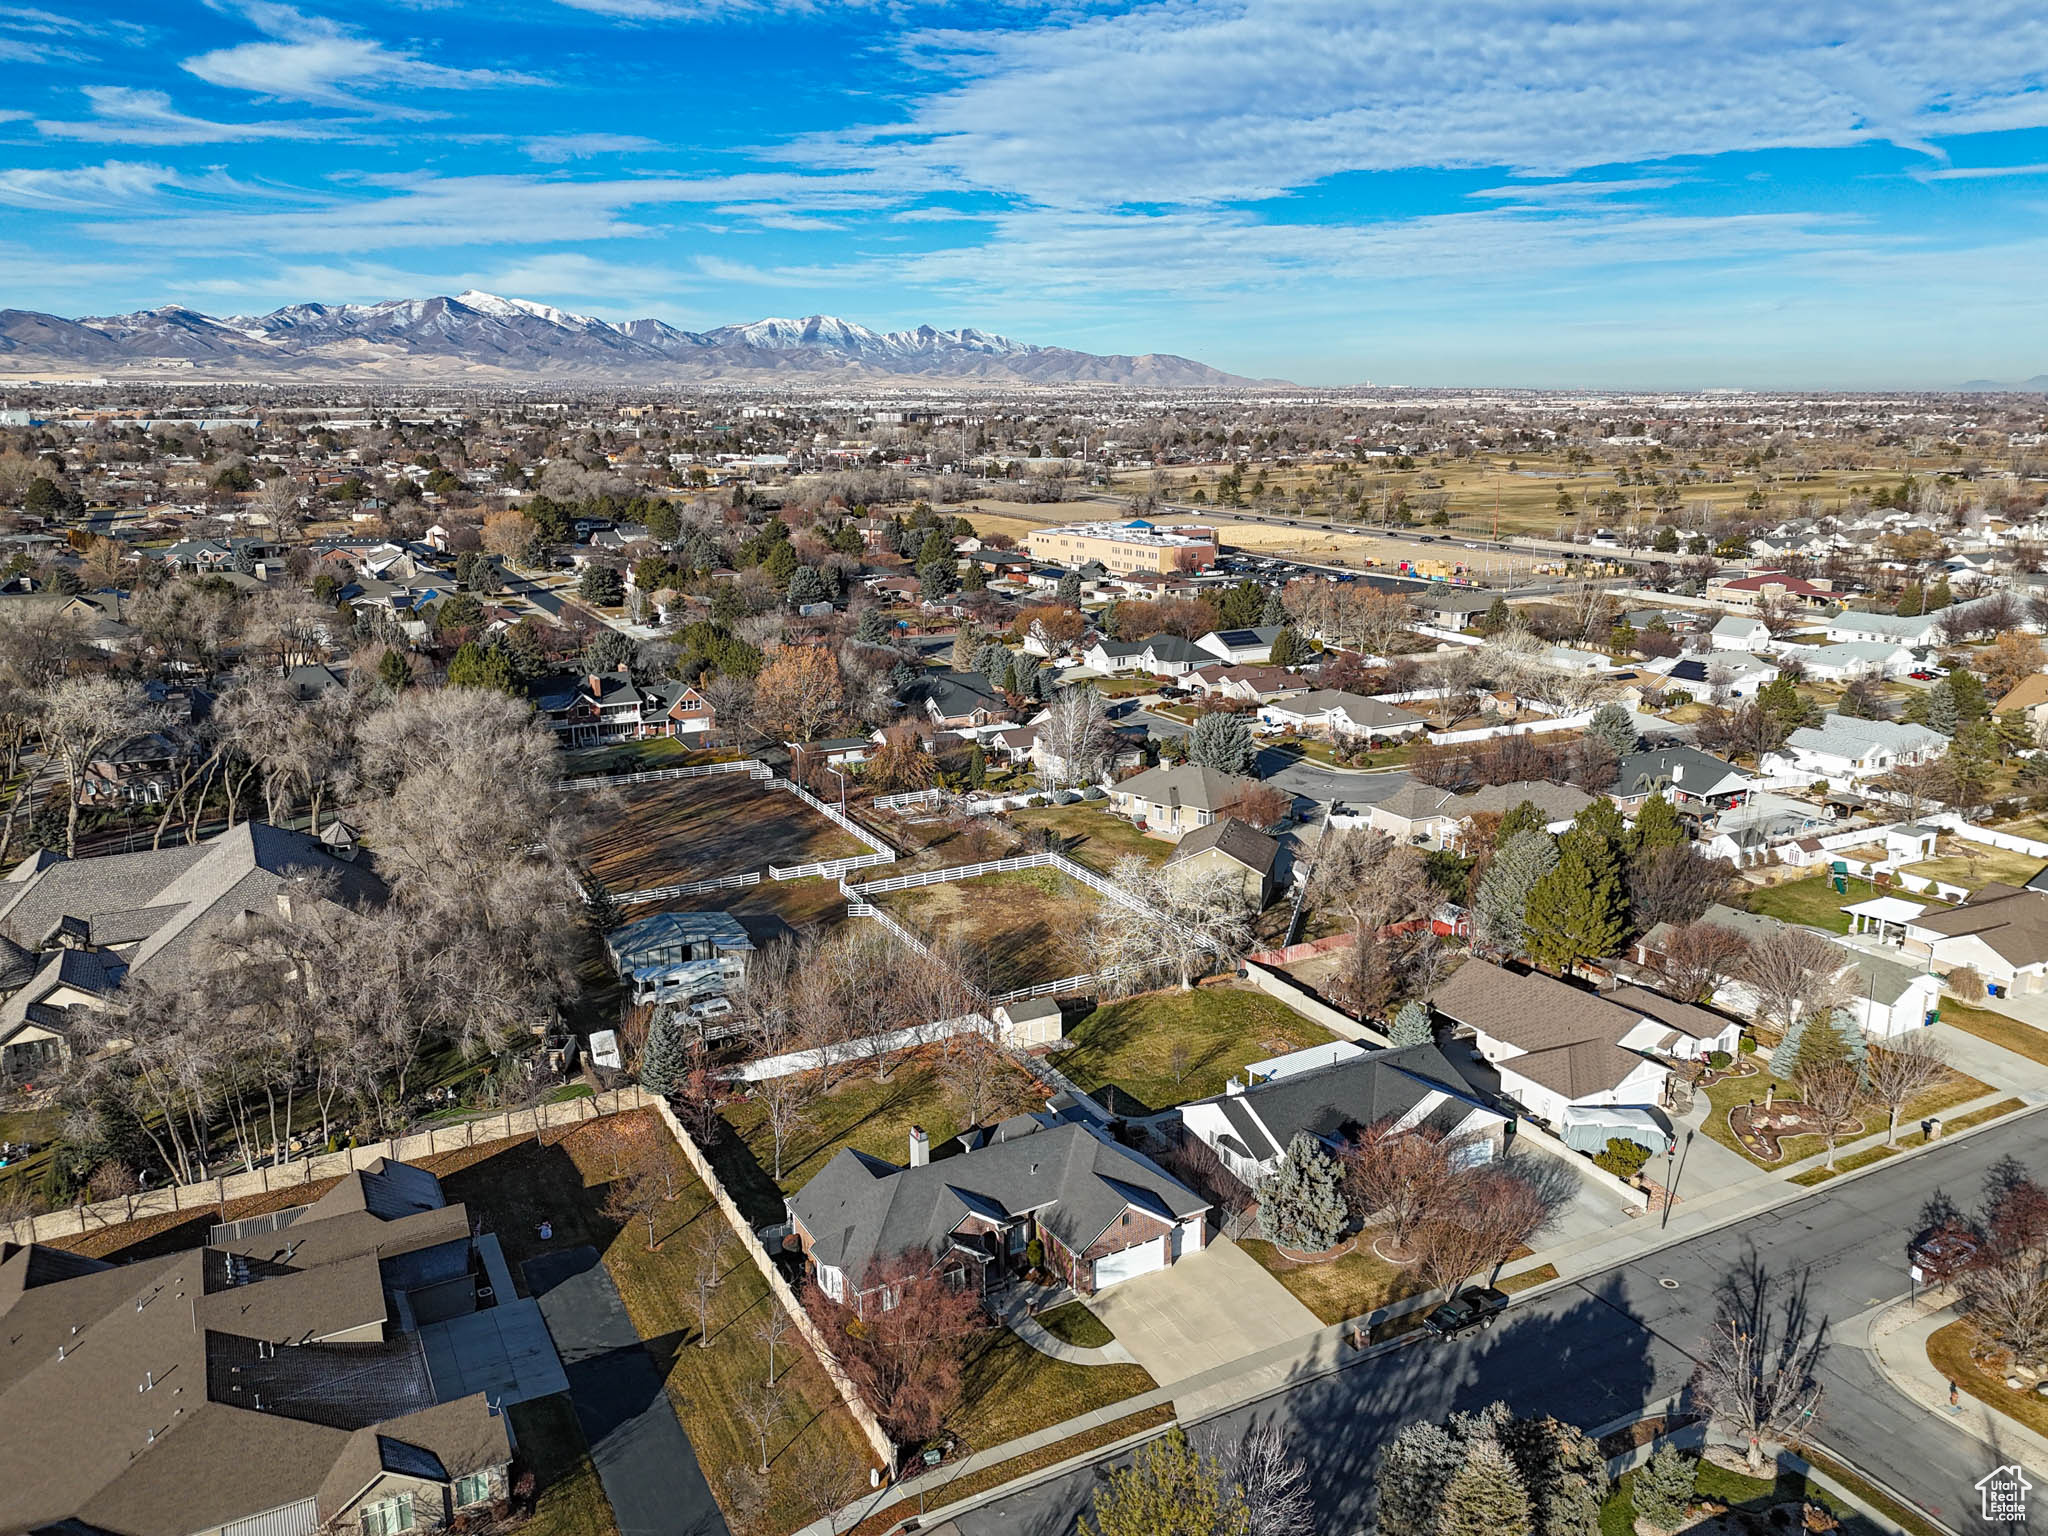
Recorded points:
(1211, 1308)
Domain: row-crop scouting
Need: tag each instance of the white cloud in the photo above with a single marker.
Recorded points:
(558, 148)
(121, 115)
(118, 186)
(1184, 104)
(312, 59)
(1979, 172)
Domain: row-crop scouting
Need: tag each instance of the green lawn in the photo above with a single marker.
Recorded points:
(1912, 1138)
(869, 1116)
(1127, 1049)
(1731, 1092)
(520, 1183)
(1341, 1289)
(639, 756)
(1094, 836)
(1075, 1324)
(1812, 901)
(1972, 865)
(2001, 1030)
(1010, 1389)
(569, 1499)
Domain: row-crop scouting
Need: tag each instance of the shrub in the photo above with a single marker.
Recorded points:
(1747, 1045)
(1624, 1159)
(1719, 1060)
(1034, 1253)
(1663, 1486)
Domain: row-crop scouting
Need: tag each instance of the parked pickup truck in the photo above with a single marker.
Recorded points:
(1475, 1308)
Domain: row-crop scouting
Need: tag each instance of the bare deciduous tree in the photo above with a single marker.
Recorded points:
(707, 1253)
(1698, 957)
(1794, 972)
(1759, 1366)
(1899, 1070)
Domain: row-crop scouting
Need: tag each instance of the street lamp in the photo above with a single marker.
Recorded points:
(842, 786)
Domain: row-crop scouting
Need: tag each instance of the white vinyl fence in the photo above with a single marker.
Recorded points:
(745, 765)
(913, 797)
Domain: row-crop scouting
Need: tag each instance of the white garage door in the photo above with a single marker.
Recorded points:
(1141, 1260)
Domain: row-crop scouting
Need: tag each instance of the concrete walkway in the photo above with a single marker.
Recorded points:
(2022, 1076)
(1203, 1313)
(1013, 1309)
(1897, 1335)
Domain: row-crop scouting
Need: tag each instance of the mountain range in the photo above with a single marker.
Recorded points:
(481, 338)
(2036, 385)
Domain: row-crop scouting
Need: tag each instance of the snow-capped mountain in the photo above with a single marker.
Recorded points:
(482, 337)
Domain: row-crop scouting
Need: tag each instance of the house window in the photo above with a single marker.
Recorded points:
(473, 1489)
(387, 1517)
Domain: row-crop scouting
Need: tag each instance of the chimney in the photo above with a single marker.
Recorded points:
(1678, 773)
(920, 1147)
(1233, 1086)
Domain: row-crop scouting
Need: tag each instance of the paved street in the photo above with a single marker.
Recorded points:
(1600, 1348)
(1301, 776)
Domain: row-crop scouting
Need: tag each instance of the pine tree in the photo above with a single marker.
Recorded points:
(1169, 1489)
(1662, 1487)
(1657, 826)
(977, 766)
(872, 629)
(975, 580)
(393, 670)
(665, 1059)
(808, 585)
(1563, 1470)
(1575, 913)
(1274, 611)
(1414, 1470)
(1069, 589)
(1222, 741)
(1967, 690)
(1912, 600)
(1500, 905)
(1412, 1025)
(1301, 1205)
(1939, 596)
(1813, 1042)
(966, 646)
(1497, 618)
(1612, 724)
(1485, 1497)
(1523, 816)
(1938, 710)
(1289, 649)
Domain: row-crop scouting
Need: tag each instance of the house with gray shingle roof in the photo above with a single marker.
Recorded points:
(1104, 1213)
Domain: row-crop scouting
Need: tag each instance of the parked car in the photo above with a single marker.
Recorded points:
(1469, 1309)
(711, 1008)
(1937, 1256)
(1922, 676)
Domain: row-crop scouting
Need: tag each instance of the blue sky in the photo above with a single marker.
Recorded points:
(1701, 193)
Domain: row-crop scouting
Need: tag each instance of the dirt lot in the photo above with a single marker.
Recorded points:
(699, 829)
(1027, 923)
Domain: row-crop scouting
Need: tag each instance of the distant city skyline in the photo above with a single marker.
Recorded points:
(1326, 191)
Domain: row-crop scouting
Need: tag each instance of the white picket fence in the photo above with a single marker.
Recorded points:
(837, 817)
(831, 869)
(957, 872)
(690, 888)
(842, 1051)
(747, 765)
(1572, 722)
(912, 797)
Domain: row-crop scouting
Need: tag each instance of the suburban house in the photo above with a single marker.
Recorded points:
(1429, 817)
(1556, 1046)
(1160, 655)
(957, 701)
(1740, 632)
(2001, 932)
(1335, 1092)
(1886, 996)
(1853, 659)
(605, 707)
(339, 1365)
(1250, 685)
(1888, 628)
(1846, 748)
(1229, 844)
(2030, 698)
(1176, 800)
(139, 771)
(1773, 586)
(1240, 646)
(1690, 779)
(1738, 674)
(1451, 609)
(677, 956)
(1341, 714)
(1103, 1213)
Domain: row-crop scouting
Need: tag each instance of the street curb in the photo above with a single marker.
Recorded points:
(940, 1513)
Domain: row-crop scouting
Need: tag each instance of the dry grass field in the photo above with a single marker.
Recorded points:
(1027, 924)
(680, 830)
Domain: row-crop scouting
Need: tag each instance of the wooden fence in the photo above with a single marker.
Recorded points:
(171, 1199)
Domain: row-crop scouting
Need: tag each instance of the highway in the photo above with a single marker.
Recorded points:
(1602, 1347)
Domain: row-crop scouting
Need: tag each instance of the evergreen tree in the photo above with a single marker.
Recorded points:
(1273, 611)
(1611, 724)
(602, 585)
(608, 651)
(936, 546)
(1657, 826)
(975, 579)
(1780, 699)
(1563, 1470)
(1967, 689)
(1169, 1489)
(665, 1059)
(1485, 1496)
(872, 629)
(1301, 1204)
(1025, 670)
(992, 661)
(807, 584)
(1575, 913)
(1414, 1470)
(1938, 710)
(1069, 589)
(935, 579)
(1497, 618)
(1411, 1025)
(1912, 600)
(977, 766)
(1662, 1487)
(901, 676)
(1523, 816)
(1289, 649)
(781, 561)
(1939, 596)
(1223, 742)
(1500, 905)
(480, 666)
(394, 671)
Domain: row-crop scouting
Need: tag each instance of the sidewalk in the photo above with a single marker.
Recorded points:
(1898, 1334)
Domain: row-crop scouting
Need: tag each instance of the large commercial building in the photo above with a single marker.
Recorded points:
(1123, 548)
